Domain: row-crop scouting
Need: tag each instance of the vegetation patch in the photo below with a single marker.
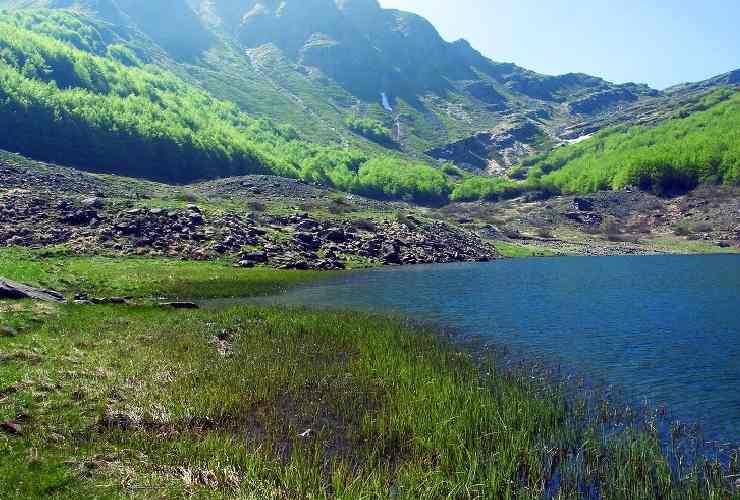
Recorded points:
(140, 277)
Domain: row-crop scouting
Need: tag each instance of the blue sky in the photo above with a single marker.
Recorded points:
(659, 42)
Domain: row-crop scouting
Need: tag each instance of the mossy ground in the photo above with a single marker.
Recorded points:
(270, 402)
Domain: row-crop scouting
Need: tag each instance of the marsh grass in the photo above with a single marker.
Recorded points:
(256, 402)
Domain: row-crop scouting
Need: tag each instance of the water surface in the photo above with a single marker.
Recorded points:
(664, 329)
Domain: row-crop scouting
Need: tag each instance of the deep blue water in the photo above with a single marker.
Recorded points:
(664, 329)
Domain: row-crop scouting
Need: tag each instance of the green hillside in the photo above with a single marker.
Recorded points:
(64, 103)
(673, 157)
(109, 94)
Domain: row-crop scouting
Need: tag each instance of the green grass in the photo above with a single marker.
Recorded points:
(140, 277)
(514, 250)
(681, 245)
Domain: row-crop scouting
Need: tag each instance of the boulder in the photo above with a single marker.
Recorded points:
(257, 257)
(12, 290)
(8, 331)
(10, 427)
(308, 240)
(588, 219)
(335, 235)
(79, 217)
(93, 202)
(583, 204)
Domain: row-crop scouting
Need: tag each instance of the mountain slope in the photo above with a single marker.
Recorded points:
(673, 157)
(317, 63)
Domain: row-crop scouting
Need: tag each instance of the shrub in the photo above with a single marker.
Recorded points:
(370, 129)
(395, 178)
(486, 188)
(452, 170)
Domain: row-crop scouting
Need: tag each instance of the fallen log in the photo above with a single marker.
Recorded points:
(15, 291)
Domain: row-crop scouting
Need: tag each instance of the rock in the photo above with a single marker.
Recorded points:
(180, 305)
(587, 219)
(583, 204)
(390, 255)
(335, 235)
(196, 219)
(8, 331)
(307, 240)
(93, 202)
(12, 290)
(79, 217)
(296, 264)
(11, 428)
(256, 257)
(307, 225)
(109, 300)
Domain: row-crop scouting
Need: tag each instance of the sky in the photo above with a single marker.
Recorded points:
(658, 42)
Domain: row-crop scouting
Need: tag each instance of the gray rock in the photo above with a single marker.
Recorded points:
(180, 305)
(8, 331)
(583, 204)
(258, 257)
(93, 202)
(12, 290)
(110, 300)
(308, 240)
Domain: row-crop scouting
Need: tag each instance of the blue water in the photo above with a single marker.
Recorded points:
(663, 329)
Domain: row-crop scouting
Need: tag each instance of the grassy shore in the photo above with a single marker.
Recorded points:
(268, 402)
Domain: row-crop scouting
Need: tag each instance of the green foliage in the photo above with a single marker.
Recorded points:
(66, 105)
(452, 170)
(486, 188)
(395, 178)
(673, 157)
(123, 54)
(333, 167)
(370, 129)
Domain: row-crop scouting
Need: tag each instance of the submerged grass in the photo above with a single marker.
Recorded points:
(270, 402)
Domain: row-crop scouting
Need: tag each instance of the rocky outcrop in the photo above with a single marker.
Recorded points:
(491, 152)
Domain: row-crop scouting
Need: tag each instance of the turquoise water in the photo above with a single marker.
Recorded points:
(663, 329)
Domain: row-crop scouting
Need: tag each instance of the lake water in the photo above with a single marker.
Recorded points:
(665, 329)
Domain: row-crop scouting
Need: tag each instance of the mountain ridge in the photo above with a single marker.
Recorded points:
(334, 60)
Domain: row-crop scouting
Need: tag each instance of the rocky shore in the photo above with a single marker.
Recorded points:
(86, 214)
